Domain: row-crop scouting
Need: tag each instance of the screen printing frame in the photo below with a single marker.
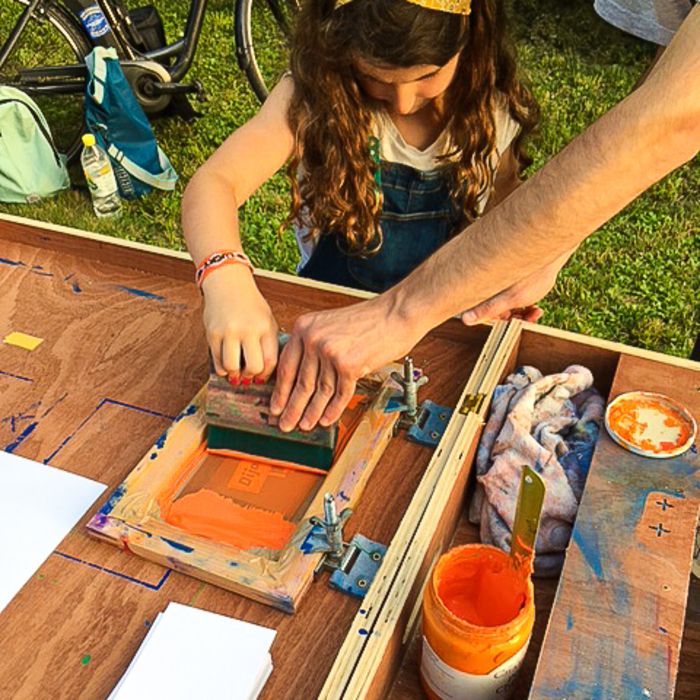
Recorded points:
(132, 517)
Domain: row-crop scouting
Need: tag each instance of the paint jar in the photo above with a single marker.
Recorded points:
(478, 613)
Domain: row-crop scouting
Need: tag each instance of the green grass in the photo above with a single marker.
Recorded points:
(637, 280)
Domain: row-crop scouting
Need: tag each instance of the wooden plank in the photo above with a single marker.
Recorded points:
(368, 657)
(139, 356)
(617, 621)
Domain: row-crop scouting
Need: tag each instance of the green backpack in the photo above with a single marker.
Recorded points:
(30, 166)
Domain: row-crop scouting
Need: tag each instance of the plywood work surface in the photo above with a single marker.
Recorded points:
(123, 352)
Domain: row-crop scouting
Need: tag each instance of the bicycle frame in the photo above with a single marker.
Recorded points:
(114, 28)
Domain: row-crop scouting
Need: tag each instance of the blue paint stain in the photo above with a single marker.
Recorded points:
(189, 411)
(233, 564)
(363, 611)
(76, 288)
(178, 545)
(590, 549)
(21, 437)
(111, 572)
(569, 620)
(39, 270)
(12, 263)
(342, 496)
(161, 440)
(663, 630)
(140, 293)
(153, 455)
(112, 501)
(363, 632)
(621, 598)
(15, 376)
(146, 623)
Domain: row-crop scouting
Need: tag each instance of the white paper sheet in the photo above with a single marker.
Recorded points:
(191, 653)
(39, 505)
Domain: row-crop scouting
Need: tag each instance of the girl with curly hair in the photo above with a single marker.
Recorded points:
(401, 121)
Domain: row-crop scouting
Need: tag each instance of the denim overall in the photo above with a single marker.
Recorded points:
(417, 218)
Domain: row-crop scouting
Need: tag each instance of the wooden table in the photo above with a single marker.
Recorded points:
(123, 352)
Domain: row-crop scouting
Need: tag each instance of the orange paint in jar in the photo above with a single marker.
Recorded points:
(478, 613)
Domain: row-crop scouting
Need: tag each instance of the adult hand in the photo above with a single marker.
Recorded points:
(518, 300)
(328, 351)
(240, 327)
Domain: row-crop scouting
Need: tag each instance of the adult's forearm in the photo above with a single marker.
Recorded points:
(653, 131)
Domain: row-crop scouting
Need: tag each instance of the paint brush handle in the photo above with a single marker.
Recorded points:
(527, 519)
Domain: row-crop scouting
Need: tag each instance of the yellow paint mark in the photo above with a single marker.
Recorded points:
(23, 340)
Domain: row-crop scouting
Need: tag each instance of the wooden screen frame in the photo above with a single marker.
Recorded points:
(131, 517)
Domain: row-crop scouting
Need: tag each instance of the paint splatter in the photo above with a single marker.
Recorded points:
(12, 263)
(178, 545)
(363, 632)
(569, 621)
(21, 437)
(140, 293)
(86, 659)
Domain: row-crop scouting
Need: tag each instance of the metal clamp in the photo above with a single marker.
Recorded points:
(353, 566)
(425, 423)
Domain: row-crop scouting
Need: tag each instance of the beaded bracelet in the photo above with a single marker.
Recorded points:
(219, 259)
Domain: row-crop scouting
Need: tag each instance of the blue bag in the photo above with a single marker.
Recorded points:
(114, 116)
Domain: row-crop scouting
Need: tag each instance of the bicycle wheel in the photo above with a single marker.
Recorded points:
(262, 31)
(53, 39)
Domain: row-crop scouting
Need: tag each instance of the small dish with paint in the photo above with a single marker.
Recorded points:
(649, 424)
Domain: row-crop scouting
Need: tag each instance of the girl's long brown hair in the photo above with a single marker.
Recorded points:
(334, 190)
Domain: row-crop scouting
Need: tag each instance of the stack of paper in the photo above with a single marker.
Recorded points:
(191, 653)
(39, 505)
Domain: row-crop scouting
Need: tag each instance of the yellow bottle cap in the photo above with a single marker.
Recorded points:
(88, 140)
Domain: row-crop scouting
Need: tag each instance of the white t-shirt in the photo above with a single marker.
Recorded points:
(394, 149)
(653, 20)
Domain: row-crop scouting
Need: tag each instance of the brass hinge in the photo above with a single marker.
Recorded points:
(472, 403)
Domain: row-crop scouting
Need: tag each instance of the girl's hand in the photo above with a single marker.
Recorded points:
(240, 327)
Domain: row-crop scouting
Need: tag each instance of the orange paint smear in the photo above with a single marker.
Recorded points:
(482, 589)
(624, 420)
(208, 514)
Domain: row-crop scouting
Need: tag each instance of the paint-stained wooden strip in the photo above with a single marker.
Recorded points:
(617, 621)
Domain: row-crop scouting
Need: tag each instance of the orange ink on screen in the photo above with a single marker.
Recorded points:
(208, 514)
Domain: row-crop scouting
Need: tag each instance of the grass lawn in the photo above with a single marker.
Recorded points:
(637, 280)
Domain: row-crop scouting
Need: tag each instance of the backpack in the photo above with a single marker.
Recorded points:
(114, 116)
(30, 166)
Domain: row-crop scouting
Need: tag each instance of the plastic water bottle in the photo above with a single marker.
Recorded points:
(100, 178)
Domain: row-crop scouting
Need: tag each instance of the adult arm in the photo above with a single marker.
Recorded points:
(647, 135)
(240, 327)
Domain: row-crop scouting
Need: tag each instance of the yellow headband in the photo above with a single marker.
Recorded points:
(457, 7)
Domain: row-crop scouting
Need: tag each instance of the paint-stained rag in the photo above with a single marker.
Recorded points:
(550, 423)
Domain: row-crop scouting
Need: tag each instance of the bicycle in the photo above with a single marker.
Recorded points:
(271, 21)
(67, 30)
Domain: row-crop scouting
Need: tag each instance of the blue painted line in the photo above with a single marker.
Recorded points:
(15, 376)
(113, 402)
(12, 263)
(21, 438)
(150, 412)
(140, 293)
(111, 572)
